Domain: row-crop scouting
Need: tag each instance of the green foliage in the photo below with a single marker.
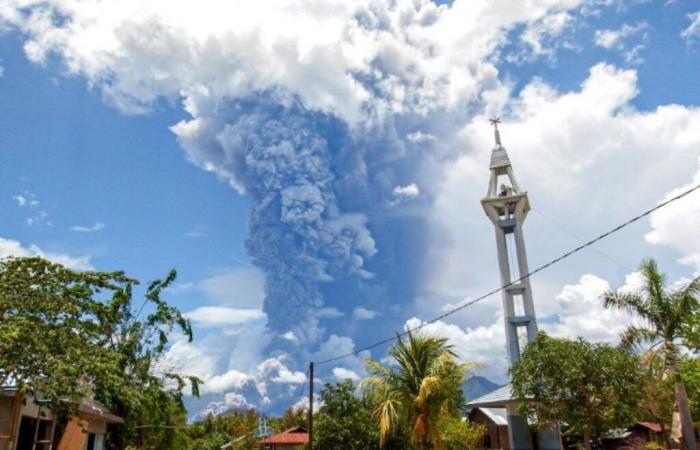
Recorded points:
(344, 422)
(215, 431)
(457, 434)
(292, 417)
(671, 319)
(667, 313)
(593, 388)
(690, 371)
(424, 385)
(68, 335)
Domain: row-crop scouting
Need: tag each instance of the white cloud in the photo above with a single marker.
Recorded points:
(617, 40)
(582, 313)
(419, 136)
(329, 312)
(287, 376)
(693, 30)
(20, 199)
(360, 313)
(341, 374)
(222, 315)
(88, 229)
(594, 147)
(611, 39)
(11, 247)
(139, 51)
(676, 224)
(544, 36)
(289, 336)
(484, 344)
(578, 310)
(409, 191)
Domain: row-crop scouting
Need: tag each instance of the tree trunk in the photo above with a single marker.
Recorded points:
(587, 439)
(687, 430)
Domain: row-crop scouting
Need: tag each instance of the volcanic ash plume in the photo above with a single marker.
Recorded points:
(284, 157)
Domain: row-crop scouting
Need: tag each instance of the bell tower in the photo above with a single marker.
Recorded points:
(507, 205)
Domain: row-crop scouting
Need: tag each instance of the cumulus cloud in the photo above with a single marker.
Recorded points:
(137, 52)
(593, 145)
(578, 312)
(674, 225)
(341, 374)
(98, 226)
(11, 247)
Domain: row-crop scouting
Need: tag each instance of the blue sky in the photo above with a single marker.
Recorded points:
(318, 190)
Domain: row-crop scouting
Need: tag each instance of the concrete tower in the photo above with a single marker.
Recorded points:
(507, 207)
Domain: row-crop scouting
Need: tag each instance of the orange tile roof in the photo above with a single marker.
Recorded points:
(296, 435)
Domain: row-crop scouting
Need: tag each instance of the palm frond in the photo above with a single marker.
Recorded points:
(636, 337)
(626, 301)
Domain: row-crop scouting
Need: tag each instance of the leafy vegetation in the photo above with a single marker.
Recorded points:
(344, 422)
(593, 388)
(669, 316)
(422, 389)
(67, 335)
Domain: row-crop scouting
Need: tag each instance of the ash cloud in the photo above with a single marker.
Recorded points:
(313, 184)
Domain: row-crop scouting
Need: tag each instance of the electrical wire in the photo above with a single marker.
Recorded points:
(578, 238)
(533, 272)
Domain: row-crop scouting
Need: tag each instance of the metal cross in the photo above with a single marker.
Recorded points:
(495, 121)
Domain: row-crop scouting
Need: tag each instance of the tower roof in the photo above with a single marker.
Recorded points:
(499, 156)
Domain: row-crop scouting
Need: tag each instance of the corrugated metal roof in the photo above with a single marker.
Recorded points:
(498, 398)
(497, 415)
(499, 157)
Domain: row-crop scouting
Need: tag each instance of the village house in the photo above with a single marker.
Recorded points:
(291, 439)
(495, 422)
(28, 424)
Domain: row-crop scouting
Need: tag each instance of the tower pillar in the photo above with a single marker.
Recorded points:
(507, 206)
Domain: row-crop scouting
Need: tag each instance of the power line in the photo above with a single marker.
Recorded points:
(578, 238)
(533, 272)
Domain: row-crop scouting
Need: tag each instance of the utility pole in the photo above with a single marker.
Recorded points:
(311, 405)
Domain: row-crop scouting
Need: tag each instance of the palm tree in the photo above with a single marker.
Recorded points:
(424, 385)
(664, 312)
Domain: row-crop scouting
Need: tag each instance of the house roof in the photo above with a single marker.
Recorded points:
(655, 427)
(296, 435)
(494, 399)
(497, 415)
(97, 409)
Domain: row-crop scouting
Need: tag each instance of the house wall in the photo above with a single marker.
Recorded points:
(7, 412)
(496, 435)
(76, 433)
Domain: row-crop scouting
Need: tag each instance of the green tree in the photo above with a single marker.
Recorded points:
(215, 431)
(666, 314)
(593, 388)
(458, 434)
(424, 385)
(67, 335)
(690, 371)
(344, 422)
